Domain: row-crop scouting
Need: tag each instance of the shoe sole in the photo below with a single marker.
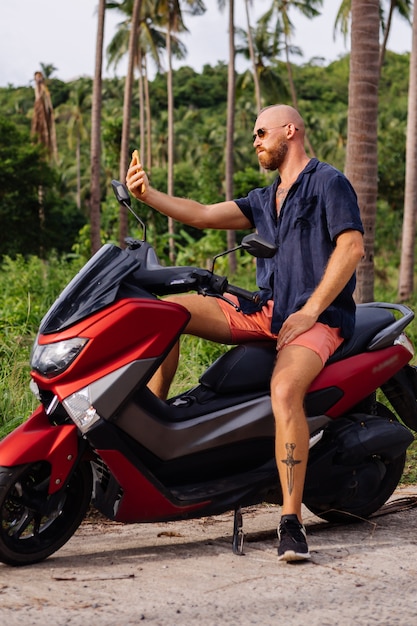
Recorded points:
(290, 555)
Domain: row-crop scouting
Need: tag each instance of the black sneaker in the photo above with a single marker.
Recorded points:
(292, 540)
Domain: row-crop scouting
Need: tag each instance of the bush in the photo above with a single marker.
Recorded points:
(27, 289)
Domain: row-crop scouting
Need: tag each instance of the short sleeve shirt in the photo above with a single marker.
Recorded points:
(320, 205)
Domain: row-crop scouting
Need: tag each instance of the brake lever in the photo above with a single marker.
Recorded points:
(203, 291)
(235, 306)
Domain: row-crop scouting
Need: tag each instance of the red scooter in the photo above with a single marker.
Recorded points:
(100, 436)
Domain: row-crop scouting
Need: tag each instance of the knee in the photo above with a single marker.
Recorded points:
(286, 397)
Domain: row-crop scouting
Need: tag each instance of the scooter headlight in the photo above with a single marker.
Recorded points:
(54, 358)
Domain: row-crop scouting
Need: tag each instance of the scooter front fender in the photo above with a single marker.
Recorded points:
(37, 440)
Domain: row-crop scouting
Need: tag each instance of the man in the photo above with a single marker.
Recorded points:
(311, 214)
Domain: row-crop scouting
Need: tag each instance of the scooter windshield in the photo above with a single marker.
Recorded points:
(94, 287)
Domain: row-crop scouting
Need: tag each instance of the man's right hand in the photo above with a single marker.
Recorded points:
(136, 179)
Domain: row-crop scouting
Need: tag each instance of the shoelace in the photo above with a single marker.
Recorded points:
(293, 530)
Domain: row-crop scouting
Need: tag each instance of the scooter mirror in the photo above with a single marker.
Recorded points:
(123, 197)
(121, 192)
(258, 247)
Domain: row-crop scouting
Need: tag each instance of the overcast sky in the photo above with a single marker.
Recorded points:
(63, 33)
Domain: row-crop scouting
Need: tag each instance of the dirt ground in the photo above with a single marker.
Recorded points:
(184, 573)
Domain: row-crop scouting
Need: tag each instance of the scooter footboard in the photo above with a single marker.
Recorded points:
(37, 440)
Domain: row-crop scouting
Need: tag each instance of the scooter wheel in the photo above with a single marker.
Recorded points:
(372, 484)
(33, 523)
(382, 475)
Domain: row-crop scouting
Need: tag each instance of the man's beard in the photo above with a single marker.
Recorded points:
(273, 161)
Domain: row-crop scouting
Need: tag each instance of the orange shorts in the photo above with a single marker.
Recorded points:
(322, 339)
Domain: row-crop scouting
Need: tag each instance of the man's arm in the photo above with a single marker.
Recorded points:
(223, 215)
(341, 266)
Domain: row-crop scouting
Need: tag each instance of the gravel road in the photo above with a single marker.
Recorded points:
(184, 573)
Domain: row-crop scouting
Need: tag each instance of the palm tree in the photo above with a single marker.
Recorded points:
(95, 194)
(172, 13)
(365, 179)
(127, 112)
(72, 114)
(43, 122)
(406, 277)
(361, 156)
(284, 27)
(150, 42)
(230, 126)
(162, 13)
(47, 69)
(403, 7)
(43, 128)
(265, 46)
(231, 99)
(258, 98)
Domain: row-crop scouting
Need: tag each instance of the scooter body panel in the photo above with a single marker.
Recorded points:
(359, 375)
(128, 330)
(140, 499)
(37, 440)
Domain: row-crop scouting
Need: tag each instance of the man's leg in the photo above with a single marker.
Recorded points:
(207, 321)
(296, 368)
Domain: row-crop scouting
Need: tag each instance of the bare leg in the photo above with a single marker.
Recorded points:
(207, 321)
(294, 371)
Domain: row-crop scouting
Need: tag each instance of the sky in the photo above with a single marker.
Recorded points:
(63, 33)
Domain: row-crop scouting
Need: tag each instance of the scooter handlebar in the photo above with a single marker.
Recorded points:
(213, 285)
(243, 293)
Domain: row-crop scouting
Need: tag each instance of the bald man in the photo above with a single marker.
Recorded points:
(310, 213)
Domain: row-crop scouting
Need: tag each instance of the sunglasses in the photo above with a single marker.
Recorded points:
(261, 132)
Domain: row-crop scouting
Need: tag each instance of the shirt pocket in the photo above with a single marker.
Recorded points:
(304, 213)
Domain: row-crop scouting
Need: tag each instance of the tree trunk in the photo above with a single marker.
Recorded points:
(127, 113)
(383, 46)
(230, 131)
(43, 121)
(258, 97)
(148, 121)
(406, 277)
(95, 195)
(170, 185)
(78, 166)
(361, 156)
(142, 126)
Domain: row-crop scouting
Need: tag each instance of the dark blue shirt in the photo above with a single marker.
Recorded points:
(320, 205)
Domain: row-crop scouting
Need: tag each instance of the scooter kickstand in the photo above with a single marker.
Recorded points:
(238, 534)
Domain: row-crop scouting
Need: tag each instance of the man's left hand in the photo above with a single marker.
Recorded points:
(295, 324)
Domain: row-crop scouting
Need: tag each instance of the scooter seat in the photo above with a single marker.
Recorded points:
(249, 366)
(369, 321)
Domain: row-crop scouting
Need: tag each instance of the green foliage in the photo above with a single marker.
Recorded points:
(409, 476)
(205, 90)
(200, 134)
(199, 252)
(32, 215)
(28, 286)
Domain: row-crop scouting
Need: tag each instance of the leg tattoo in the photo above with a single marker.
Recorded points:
(290, 462)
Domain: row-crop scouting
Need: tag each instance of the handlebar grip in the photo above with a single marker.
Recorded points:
(243, 293)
